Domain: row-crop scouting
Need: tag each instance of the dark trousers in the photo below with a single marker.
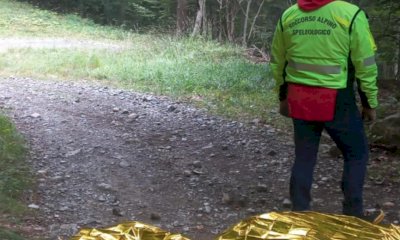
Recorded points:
(347, 131)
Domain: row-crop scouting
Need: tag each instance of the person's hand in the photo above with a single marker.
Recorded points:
(284, 108)
(368, 114)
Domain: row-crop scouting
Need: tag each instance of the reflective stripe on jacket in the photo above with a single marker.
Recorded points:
(313, 48)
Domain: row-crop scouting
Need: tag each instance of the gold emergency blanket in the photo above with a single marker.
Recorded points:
(127, 231)
(309, 226)
(284, 225)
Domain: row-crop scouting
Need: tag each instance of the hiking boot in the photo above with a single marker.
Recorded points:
(374, 217)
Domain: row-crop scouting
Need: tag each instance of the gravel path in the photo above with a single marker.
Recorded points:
(103, 156)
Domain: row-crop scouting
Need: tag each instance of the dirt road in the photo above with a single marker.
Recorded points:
(100, 153)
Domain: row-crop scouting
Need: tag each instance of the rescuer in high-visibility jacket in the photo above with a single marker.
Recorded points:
(320, 48)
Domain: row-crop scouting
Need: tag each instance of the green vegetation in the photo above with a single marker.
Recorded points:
(14, 175)
(22, 19)
(8, 235)
(214, 75)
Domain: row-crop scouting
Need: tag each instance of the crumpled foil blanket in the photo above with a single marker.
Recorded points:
(127, 231)
(274, 225)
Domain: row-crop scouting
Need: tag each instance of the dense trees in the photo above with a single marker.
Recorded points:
(247, 22)
(241, 21)
(385, 20)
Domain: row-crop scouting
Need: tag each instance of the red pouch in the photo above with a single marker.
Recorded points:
(311, 103)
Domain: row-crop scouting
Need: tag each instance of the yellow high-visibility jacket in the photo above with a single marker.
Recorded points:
(314, 48)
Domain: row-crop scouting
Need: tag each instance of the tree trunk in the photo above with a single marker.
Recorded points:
(230, 20)
(181, 17)
(246, 21)
(205, 22)
(227, 18)
(220, 20)
(255, 19)
(198, 25)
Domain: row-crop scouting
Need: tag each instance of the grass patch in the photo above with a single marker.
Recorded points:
(15, 175)
(22, 19)
(6, 234)
(212, 74)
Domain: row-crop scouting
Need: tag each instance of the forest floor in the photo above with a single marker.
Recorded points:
(103, 156)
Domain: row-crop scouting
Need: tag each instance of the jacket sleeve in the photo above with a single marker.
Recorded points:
(363, 49)
(278, 61)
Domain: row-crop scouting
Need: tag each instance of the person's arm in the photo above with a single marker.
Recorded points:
(278, 61)
(363, 50)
